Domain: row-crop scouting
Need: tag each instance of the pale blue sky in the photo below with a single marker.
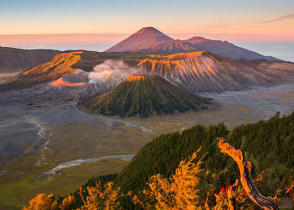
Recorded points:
(122, 16)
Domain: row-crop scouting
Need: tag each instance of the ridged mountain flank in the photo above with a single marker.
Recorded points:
(141, 95)
(203, 71)
(151, 40)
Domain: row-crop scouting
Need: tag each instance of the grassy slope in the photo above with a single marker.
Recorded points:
(17, 189)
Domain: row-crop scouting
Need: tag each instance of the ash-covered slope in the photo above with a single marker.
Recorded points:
(153, 41)
(145, 95)
(203, 71)
(70, 88)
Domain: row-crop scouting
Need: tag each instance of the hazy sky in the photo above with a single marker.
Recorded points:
(266, 26)
(274, 17)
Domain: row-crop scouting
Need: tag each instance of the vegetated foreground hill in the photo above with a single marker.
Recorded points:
(18, 60)
(203, 71)
(268, 145)
(145, 95)
(151, 40)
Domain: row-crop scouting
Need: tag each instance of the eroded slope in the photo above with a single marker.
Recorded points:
(202, 71)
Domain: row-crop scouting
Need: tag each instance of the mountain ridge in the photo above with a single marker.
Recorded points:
(194, 71)
(18, 60)
(147, 40)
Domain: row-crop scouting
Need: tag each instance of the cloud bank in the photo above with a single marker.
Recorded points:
(285, 17)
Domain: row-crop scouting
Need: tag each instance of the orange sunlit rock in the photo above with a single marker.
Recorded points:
(61, 83)
(60, 65)
(136, 77)
(194, 63)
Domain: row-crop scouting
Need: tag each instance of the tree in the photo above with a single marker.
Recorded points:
(42, 202)
(101, 197)
(67, 203)
(178, 192)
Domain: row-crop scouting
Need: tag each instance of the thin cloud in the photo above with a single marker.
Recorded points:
(285, 17)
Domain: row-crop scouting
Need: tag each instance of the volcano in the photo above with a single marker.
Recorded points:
(150, 40)
(143, 39)
(141, 95)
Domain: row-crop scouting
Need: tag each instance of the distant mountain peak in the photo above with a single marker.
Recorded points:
(151, 33)
(143, 39)
(196, 39)
(148, 30)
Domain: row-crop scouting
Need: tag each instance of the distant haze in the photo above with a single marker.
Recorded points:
(96, 42)
(282, 50)
(264, 44)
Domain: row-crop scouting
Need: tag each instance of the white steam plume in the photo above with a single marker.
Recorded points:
(111, 71)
